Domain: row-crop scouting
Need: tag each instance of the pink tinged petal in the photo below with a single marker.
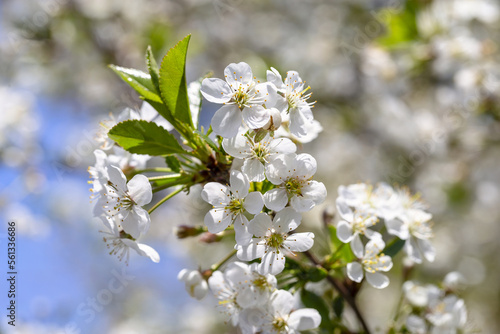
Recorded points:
(242, 236)
(304, 319)
(239, 184)
(238, 146)
(217, 220)
(117, 177)
(344, 210)
(427, 249)
(305, 165)
(357, 246)
(411, 249)
(299, 242)
(254, 202)
(227, 121)
(377, 280)
(216, 194)
(344, 231)
(301, 204)
(398, 228)
(237, 74)
(282, 302)
(355, 272)
(272, 263)
(140, 190)
(276, 199)
(216, 90)
(254, 169)
(286, 220)
(260, 225)
(250, 251)
(255, 116)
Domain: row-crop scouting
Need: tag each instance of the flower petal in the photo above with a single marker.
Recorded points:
(236, 74)
(377, 280)
(255, 116)
(239, 184)
(301, 203)
(217, 220)
(227, 121)
(254, 202)
(242, 236)
(274, 77)
(238, 146)
(305, 165)
(411, 249)
(344, 210)
(304, 319)
(282, 302)
(251, 251)
(357, 246)
(136, 222)
(286, 220)
(140, 190)
(276, 199)
(216, 194)
(117, 178)
(260, 224)
(398, 228)
(216, 90)
(254, 169)
(299, 242)
(344, 231)
(272, 263)
(355, 271)
(427, 249)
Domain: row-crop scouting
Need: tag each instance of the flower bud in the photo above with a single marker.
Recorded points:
(209, 238)
(196, 285)
(185, 231)
(274, 121)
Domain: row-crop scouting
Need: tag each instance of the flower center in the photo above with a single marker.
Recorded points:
(373, 263)
(275, 240)
(261, 282)
(295, 97)
(235, 206)
(293, 187)
(260, 152)
(279, 324)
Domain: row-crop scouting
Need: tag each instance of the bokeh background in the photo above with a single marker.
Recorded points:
(407, 92)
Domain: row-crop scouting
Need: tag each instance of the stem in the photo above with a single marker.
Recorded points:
(342, 290)
(158, 169)
(164, 177)
(224, 260)
(164, 199)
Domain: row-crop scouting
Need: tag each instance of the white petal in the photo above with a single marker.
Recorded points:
(377, 280)
(215, 194)
(117, 177)
(276, 199)
(272, 263)
(200, 290)
(237, 74)
(416, 325)
(251, 251)
(280, 168)
(301, 203)
(227, 121)
(143, 250)
(254, 202)
(255, 116)
(411, 249)
(315, 191)
(242, 236)
(217, 220)
(274, 77)
(282, 145)
(304, 319)
(427, 249)
(216, 90)
(239, 184)
(298, 123)
(286, 220)
(260, 224)
(355, 271)
(398, 228)
(182, 275)
(238, 146)
(299, 242)
(344, 232)
(344, 210)
(375, 246)
(357, 246)
(140, 190)
(282, 302)
(254, 169)
(305, 165)
(372, 234)
(136, 222)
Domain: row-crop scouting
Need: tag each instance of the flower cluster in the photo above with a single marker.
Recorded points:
(361, 207)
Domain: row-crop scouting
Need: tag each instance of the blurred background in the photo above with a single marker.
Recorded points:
(407, 92)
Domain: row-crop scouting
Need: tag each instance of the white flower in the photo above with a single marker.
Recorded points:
(414, 226)
(99, 173)
(313, 129)
(447, 315)
(272, 241)
(416, 325)
(417, 295)
(293, 101)
(256, 155)
(372, 262)
(229, 203)
(124, 201)
(242, 100)
(292, 174)
(107, 124)
(196, 286)
(254, 289)
(281, 318)
(127, 161)
(353, 225)
(380, 201)
(454, 281)
(227, 294)
(120, 242)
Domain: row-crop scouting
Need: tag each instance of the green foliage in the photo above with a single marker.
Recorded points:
(340, 251)
(394, 247)
(173, 163)
(154, 72)
(401, 24)
(142, 137)
(338, 306)
(173, 86)
(312, 300)
(139, 81)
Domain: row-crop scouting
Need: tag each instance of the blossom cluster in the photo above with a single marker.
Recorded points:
(361, 207)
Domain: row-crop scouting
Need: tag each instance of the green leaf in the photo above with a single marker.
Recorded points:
(394, 247)
(317, 274)
(139, 81)
(338, 306)
(142, 137)
(154, 72)
(173, 86)
(341, 250)
(312, 300)
(173, 163)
